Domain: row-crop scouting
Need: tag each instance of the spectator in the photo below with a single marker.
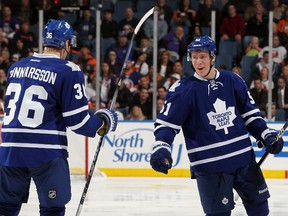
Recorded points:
(196, 31)
(144, 82)
(114, 63)
(203, 16)
(278, 10)
(174, 77)
(232, 27)
(124, 97)
(107, 80)
(276, 115)
(164, 67)
(3, 79)
(19, 51)
(282, 28)
(5, 59)
(280, 95)
(136, 113)
(144, 47)
(48, 10)
(121, 47)
(259, 95)
(253, 47)
(129, 19)
(26, 12)
(87, 61)
(140, 65)
(3, 39)
(264, 73)
(143, 100)
(278, 53)
(184, 15)
(167, 10)
(162, 27)
(250, 11)
(130, 77)
(26, 35)
(236, 70)
(284, 72)
(159, 105)
(8, 22)
(176, 41)
(85, 27)
(90, 89)
(257, 25)
(161, 92)
(109, 27)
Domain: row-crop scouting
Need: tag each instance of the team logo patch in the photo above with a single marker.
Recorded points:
(52, 194)
(225, 201)
(223, 116)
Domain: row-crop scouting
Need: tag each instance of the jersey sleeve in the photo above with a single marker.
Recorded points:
(174, 112)
(248, 109)
(74, 103)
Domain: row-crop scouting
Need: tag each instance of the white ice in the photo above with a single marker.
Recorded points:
(149, 197)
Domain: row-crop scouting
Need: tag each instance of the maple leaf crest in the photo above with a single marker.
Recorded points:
(223, 117)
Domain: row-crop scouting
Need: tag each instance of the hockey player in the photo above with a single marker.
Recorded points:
(216, 112)
(45, 94)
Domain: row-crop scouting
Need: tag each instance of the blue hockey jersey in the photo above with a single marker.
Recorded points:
(44, 96)
(216, 117)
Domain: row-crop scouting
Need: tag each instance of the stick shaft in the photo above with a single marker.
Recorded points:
(93, 164)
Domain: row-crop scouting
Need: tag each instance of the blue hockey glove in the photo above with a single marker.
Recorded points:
(271, 142)
(161, 160)
(110, 121)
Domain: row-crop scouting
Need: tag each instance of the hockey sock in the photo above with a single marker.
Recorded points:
(52, 211)
(10, 209)
(220, 214)
(259, 209)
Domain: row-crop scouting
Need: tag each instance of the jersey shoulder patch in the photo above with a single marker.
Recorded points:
(73, 66)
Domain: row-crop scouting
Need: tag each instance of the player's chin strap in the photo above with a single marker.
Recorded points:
(68, 54)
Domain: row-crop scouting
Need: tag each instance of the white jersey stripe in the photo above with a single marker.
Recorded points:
(36, 131)
(75, 127)
(76, 111)
(33, 145)
(208, 160)
(177, 127)
(250, 113)
(252, 119)
(217, 145)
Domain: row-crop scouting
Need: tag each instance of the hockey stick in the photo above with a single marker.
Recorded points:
(89, 177)
(263, 158)
(279, 136)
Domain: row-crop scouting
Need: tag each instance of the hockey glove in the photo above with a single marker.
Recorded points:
(110, 121)
(161, 160)
(271, 142)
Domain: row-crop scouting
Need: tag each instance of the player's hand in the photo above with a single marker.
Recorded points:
(161, 160)
(110, 120)
(271, 142)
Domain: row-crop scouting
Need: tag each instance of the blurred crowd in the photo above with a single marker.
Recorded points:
(244, 23)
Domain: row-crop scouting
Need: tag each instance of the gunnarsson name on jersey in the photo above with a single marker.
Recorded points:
(34, 73)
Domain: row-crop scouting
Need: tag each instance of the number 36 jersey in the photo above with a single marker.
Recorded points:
(44, 96)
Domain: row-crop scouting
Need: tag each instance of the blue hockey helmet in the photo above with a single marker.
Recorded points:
(57, 32)
(201, 43)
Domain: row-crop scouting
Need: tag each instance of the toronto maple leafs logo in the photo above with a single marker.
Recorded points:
(223, 117)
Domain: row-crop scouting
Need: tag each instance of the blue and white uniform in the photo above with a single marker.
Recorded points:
(215, 130)
(43, 82)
